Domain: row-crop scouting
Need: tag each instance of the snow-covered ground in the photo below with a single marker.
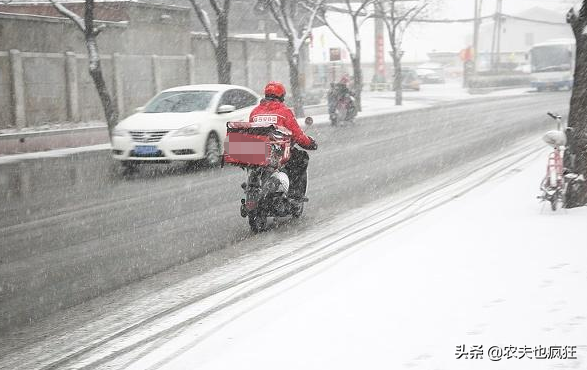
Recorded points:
(469, 258)
(474, 261)
(382, 102)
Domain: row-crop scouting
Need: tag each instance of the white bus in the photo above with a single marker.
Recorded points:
(553, 63)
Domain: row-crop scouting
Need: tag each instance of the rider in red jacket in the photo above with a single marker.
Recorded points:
(273, 110)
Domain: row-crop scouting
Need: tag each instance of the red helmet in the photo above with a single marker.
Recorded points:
(275, 88)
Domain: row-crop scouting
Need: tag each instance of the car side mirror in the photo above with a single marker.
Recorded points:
(226, 109)
(139, 109)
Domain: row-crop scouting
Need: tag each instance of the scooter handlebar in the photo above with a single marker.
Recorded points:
(554, 116)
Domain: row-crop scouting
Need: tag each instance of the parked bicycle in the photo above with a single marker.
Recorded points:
(554, 184)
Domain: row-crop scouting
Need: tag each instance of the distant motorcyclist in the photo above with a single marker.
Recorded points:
(273, 110)
(338, 92)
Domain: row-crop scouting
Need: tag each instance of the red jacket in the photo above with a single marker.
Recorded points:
(272, 111)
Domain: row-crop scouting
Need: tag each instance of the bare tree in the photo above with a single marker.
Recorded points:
(576, 153)
(285, 14)
(218, 40)
(358, 17)
(397, 17)
(91, 32)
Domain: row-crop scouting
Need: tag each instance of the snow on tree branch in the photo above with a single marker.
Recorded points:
(215, 6)
(397, 21)
(323, 19)
(354, 16)
(308, 27)
(274, 7)
(284, 16)
(578, 22)
(205, 21)
(69, 14)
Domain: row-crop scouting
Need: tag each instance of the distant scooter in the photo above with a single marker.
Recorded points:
(344, 110)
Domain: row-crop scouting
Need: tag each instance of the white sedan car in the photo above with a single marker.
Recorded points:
(186, 123)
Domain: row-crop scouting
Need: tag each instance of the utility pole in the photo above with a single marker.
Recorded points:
(498, 46)
(476, 23)
(496, 40)
(379, 49)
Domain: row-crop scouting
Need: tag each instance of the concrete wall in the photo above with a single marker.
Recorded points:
(48, 34)
(145, 49)
(44, 88)
(39, 88)
(5, 89)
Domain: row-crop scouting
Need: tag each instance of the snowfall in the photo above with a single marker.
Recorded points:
(467, 271)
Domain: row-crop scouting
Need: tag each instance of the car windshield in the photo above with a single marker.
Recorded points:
(553, 58)
(180, 102)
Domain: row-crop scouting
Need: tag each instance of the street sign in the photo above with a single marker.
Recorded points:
(335, 54)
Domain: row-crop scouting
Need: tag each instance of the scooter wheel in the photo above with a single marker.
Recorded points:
(298, 210)
(554, 201)
(257, 221)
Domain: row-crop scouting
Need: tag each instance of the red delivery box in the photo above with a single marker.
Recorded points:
(250, 144)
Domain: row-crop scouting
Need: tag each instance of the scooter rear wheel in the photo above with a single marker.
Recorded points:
(297, 211)
(555, 199)
(257, 221)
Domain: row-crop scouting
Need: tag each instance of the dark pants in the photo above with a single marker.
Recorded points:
(296, 169)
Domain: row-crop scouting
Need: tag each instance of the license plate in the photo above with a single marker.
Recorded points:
(146, 149)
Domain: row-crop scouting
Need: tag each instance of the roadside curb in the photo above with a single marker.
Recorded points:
(488, 90)
(19, 135)
(43, 141)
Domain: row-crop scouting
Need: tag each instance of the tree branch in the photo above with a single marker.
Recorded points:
(277, 17)
(79, 22)
(409, 21)
(215, 6)
(363, 6)
(98, 30)
(365, 19)
(205, 21)
(308, 27)
(226, 6)
(346, 45)
(578, 22)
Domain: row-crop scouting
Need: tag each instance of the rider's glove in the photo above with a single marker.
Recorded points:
(313, 145)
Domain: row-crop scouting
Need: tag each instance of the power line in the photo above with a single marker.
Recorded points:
(503, 15)
(461, 20)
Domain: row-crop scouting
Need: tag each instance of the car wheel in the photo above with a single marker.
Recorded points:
(213, 154)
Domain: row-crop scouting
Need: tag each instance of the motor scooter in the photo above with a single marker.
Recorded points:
(262, 150)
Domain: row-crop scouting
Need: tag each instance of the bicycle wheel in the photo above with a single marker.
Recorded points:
(555, 199)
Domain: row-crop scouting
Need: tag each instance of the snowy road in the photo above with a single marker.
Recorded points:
(73, 228)
(367, 290)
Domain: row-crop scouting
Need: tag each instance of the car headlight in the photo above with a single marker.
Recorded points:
(119, 132)
(188, 130)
